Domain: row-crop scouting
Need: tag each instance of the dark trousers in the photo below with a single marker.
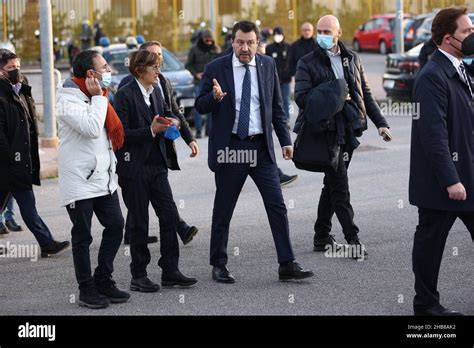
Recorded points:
(428, 247)
(182, 228)
(151, 185)
(336, 198)
(27, 203)
(107, 210)
(229, 182)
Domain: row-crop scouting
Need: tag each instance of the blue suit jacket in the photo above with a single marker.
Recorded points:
(442, 143)
(223, 113)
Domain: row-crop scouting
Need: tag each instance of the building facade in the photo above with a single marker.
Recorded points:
(173, 21)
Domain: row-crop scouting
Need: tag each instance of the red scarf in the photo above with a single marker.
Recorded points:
(113, 124)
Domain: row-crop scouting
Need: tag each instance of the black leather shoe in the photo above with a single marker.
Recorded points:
(287, 179)
(221, 274)
(54, 248)
(358, 252)
(293, 271)
(13, 226)
(151, 240)
(144, 285)
(3, 229)
(91, 298)
(325, 244)
(176, 278)
(190, 233)
(110, 290)
(438, 310)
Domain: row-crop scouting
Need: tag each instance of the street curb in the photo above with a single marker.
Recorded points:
(51, 172)
(49, 162)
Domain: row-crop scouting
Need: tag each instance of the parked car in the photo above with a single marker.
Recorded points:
(182, 80)
(376, 34)
(423, 33)
(410, 27)
(401, 70)
(400, 73)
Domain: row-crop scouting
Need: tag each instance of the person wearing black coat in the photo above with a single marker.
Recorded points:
(280, 50)
(429, 47)
(201, 54)
(142, 168)
(185, 232)
(328, 63)
(442, 155)
(170, 99)
(301, 47)
(19, 151)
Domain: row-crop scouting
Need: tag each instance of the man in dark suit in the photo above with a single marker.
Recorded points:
(142, 168)
(242, 92)
(163, 85)
(442, 154)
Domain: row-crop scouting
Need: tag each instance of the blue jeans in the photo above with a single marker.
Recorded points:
(27, 204)
(285, 93)
(8, 213)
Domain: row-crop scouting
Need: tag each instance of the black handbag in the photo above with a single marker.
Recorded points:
(316, 151)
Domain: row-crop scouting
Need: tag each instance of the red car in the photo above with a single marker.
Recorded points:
(377, 34)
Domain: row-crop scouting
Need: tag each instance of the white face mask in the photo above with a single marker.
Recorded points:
(106, 79)
(278, 38)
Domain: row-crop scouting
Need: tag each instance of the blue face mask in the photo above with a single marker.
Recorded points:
(172, 133)
(106, 79)
(468, 61)
(325, 41)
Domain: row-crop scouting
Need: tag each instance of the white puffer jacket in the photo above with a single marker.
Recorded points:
(86, 158)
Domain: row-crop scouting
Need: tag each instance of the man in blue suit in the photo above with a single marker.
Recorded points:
(442, 153)
(242, 92)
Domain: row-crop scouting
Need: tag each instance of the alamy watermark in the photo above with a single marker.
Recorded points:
(231, 156)
(405, 109)
(353, 251)
(37, 331)
(19, 251)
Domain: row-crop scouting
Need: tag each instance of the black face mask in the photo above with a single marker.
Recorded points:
(14, 76)
(467, 46)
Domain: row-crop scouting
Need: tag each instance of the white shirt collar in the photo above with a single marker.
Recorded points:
(332, 54)
(145, 92)
(456, 61)
(236, 63)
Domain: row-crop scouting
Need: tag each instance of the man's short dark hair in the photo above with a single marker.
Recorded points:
(6, 56)
(445, 23)
(83, 62)
(246, 27)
